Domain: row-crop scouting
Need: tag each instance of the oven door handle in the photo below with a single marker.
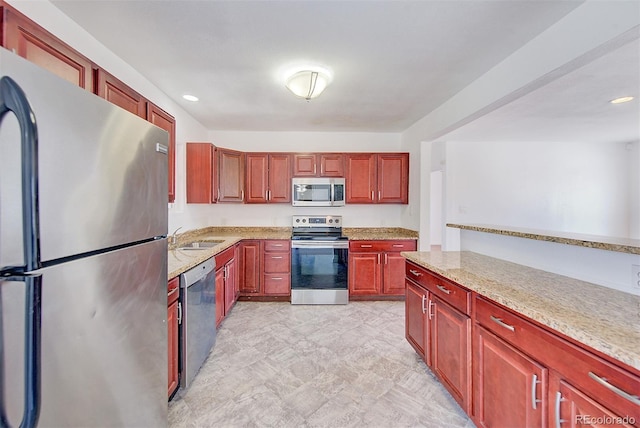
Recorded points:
(320, 244)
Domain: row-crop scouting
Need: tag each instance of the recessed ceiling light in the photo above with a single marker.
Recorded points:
(621, 100)
(190, 98)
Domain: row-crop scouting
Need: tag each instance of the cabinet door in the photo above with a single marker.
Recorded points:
(172, 341)
(304, 165)
(509, 386)
(116, 92)
(257, 178)
(200, 173)
(32, 42)
(230, 286)
(416, 331)
(393, 178)
(165, 121)
(573, 409)
(451, 350)
(331, 165)
(220, 276)
(250, 267)
(361, 178)
(365, 274)
(230, 175)
(393, 274)
(279, 178)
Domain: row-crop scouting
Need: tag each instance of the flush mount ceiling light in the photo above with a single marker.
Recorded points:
(621, 100)
(307, 83)
(190, 97)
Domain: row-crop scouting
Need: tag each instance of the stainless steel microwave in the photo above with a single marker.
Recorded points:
(318, 192)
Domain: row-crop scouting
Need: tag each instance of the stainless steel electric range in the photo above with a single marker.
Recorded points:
(319, 261)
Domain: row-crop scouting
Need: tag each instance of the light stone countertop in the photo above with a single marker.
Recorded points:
(378, 233)
(604, 319)
(180, 261)
(621, 245)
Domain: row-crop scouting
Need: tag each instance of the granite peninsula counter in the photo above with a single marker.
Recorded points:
(604, 319)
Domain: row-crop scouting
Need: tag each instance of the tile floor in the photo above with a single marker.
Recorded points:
(278, 365)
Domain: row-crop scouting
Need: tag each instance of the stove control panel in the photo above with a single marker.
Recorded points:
(317, 221)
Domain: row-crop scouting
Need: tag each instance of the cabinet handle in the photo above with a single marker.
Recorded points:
(424, 298)
(502, 323)
(431, 305)
(415, 272)
(276, 257)
(314, 169)
(398, 245)
(602, 381)
(372, 196)
(386, 258)
(443, 289)
(179, 312)
(278, 278)
(379, 193)
(534, 402)
(378, 258)
(277, 245)
(557, 409)
(365, 246)
(242, 195)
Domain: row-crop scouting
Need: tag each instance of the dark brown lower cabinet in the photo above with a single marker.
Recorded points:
(172, 334)
(509, 386)
(451, 350)
(517, 373)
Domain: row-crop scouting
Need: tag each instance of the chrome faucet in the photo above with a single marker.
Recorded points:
(174, 239)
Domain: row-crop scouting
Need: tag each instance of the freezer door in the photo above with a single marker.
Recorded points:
(102, 170)
(103, 341)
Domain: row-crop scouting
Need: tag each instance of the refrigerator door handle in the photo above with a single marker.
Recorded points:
(32, 352)
(12, 98)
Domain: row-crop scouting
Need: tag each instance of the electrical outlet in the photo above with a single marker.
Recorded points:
(635, 275)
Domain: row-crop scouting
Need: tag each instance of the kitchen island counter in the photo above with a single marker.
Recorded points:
(604, 319)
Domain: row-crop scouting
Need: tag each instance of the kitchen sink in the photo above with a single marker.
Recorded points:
(200, 245)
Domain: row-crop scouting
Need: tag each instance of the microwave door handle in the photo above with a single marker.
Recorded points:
(333, 191)
(32, 352)
(12, 98)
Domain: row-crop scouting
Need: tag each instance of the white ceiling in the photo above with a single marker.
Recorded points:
(393, 61)
(574, 107)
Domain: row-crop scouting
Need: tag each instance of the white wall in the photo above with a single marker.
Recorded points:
(558, 186)
(555, 186)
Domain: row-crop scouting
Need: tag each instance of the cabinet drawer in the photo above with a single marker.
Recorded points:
(615, 388)
(383, 246)
(453, 294)
(224, 257)
(277, 245)
(277, 263)
(513, 328)
(277, 284)
(417, 274)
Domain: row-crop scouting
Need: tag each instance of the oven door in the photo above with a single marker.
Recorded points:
(319, 272)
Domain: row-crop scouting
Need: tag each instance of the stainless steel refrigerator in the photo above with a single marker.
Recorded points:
(83, 257)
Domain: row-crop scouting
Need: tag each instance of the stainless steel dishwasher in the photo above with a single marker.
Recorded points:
(198, 328)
